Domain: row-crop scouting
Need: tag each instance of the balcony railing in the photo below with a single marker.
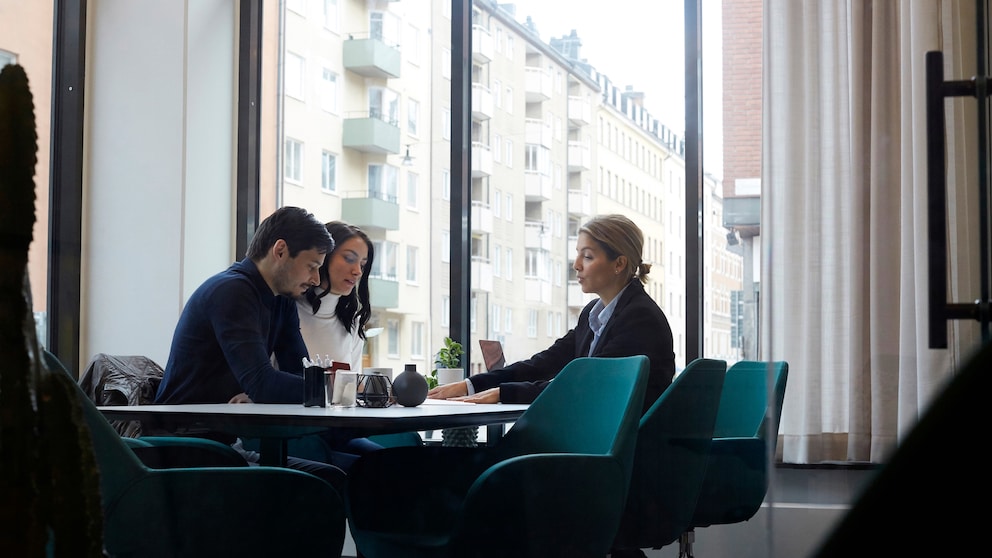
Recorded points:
(482, 45)
(482, 102)
(373, 211)
(371, 57)
(537, 82)
(371, 133)
(482, 160)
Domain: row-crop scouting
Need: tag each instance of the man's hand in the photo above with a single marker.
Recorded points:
(240, 398)
(491, 395)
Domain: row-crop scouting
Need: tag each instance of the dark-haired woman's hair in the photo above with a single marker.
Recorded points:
(355, 303)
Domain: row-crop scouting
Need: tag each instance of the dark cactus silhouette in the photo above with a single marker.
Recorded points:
(49, 481)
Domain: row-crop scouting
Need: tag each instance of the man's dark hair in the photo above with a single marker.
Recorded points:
(297, 226)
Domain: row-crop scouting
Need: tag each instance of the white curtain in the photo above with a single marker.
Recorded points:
(844, 223)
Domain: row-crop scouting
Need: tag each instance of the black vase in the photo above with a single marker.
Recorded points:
(410, 387)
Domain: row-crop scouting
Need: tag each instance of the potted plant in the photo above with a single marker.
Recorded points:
(447, 365)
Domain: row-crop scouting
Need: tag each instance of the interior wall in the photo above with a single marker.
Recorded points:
(159, 172)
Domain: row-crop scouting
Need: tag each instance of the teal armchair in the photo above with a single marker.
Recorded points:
(554, 485)
(737, 475)
(673, 448)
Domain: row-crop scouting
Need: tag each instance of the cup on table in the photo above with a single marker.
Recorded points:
(345, 388)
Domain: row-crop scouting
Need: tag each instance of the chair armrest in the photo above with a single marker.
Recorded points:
(169, 452)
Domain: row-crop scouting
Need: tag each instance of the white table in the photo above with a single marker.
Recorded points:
(275, 424)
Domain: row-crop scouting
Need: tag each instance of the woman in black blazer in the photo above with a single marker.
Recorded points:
(623, 321)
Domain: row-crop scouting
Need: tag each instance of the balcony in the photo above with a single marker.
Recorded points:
(537, 84)
(372, 212)
(384, 293)
(482, 45)
(579, 203)
(537, 131)
(537, 290)
(482, 160)
(537, 235)
(579, 110)
(579, 158)
(371, 134)
(482, 102)
(482, 218)
(371, 57)
(482, 274)
(537, 186)
(577, 298)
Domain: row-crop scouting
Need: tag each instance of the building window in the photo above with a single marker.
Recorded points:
(446, 63)
(508, 100)
(549, 327)
(497, 93)
(331, 14)
(412, 189)
(508, 268)
(445, 185)
(496, 322)
(497, 260)
(509, 153)
(384, 104)
(385, 26)
(329, 90)
(417, 339)
(412, 117)
(508, 318)
(393, 338)
(411, 47)
(384, 266)
(383, 182)
(294, 161)
(497, 202)
(328, 172)
(532, 323)
(508, 208)
(497, 148)
(473, 313)
(295, 68)
(445, 246)
(445, 311)
(446, 124)
(411, 264)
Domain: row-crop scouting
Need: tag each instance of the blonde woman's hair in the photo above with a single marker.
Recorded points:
(619, 236)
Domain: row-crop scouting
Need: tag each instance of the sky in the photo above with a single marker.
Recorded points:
(640, 43)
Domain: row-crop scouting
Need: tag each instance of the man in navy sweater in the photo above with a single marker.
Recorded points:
(242, 319)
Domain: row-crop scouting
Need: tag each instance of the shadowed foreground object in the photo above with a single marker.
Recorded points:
(923, 501)
(554, 485)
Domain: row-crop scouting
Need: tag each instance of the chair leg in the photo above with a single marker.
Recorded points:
(685, 543)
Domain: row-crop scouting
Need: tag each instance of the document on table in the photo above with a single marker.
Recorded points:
(445, 402)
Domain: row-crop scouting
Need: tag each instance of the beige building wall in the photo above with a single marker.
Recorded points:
(26, 37)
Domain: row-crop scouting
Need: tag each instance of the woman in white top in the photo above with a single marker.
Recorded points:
(333, 314)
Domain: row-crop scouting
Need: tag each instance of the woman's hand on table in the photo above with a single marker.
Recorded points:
(240, 398)
(448, 391)
(491, 395)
